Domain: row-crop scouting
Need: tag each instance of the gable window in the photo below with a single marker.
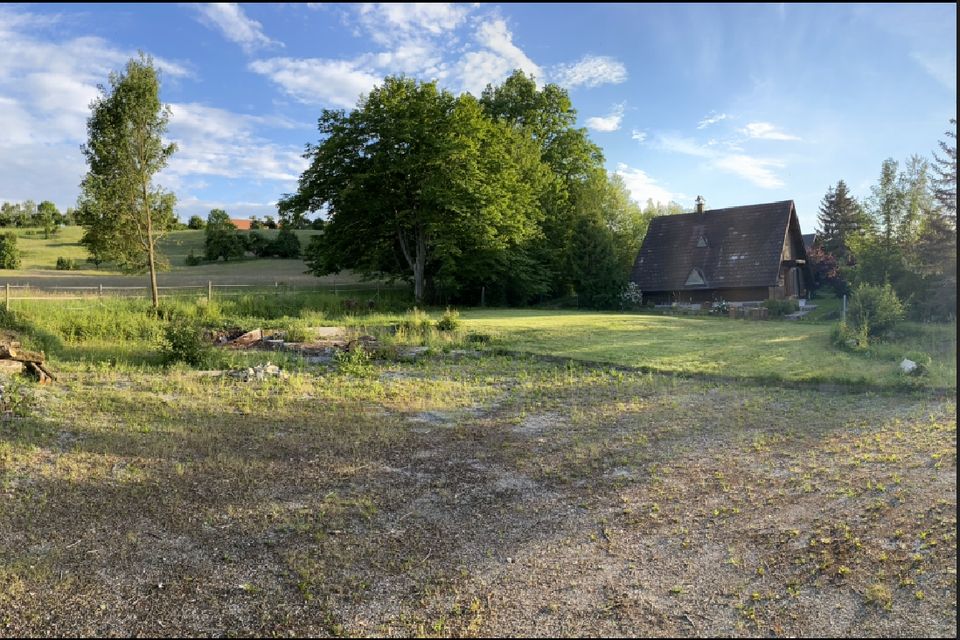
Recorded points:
(695, 278)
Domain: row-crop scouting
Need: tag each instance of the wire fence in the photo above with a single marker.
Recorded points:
(13, 292)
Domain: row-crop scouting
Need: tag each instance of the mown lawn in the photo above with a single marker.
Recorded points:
(762, 350)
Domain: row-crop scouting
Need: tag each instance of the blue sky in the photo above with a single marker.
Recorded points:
(739, 103)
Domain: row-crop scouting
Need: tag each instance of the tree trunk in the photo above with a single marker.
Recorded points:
(417, 261)
(154, 293)
(419, 267)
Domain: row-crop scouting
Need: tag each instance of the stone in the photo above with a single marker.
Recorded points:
(907, 366)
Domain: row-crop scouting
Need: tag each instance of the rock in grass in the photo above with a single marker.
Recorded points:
(908, 366)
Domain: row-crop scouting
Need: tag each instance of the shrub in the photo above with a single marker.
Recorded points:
(780, 308)
(9, 254)
(848, 339)
(65, 264)
(720, 307)
(259, 245)
(196, 222)
(287, 245)
(184, 342)
(416, 322)
(355, 362)
(632, 296)
(193, 260)
(450, 320)
(874, 310)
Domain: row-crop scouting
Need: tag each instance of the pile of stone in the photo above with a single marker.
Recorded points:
(13, 359)
(259, 372)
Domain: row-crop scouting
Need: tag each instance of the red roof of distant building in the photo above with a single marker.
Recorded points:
(243, 225)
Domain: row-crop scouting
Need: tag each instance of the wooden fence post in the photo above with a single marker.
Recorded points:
(209, 291)
(8, 296)
(100, 291)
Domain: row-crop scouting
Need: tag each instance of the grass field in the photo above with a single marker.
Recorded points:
(39, 259)
(472, 493)
(771, 350)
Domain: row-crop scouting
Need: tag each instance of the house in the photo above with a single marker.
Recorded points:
(809, 239)
(240, 224)
(738, 254)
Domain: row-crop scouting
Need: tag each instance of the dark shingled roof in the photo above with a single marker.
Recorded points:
(731, 248)
(808, 240)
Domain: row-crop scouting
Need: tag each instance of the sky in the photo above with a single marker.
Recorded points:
(741, 104)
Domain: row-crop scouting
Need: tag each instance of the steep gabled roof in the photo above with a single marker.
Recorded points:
(730, 248)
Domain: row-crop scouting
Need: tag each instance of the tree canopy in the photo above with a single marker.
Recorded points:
(459, 194)
(124, 214)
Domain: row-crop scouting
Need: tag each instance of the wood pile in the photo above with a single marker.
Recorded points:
(13, 359)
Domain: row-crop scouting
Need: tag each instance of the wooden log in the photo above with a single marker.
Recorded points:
(11, 367)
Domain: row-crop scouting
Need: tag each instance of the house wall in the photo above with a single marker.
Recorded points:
(751, 294)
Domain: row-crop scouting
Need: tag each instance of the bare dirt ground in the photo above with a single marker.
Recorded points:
(486, 496)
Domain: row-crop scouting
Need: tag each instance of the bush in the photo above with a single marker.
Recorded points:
(720, 307)
(193, 260)
(780, 308)
(184, 342)
(845, 338)
(355, 363)
(416, 323)
(287, 245)
(450, 320)
(9, 254)
(632, 296)
(66, 264)
(874, 310)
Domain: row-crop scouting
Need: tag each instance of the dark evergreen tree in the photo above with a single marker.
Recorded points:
(840, 218)
(945, 182)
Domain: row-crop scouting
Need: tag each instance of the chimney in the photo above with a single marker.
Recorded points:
(700, 203)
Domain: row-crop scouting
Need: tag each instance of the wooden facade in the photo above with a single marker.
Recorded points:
(739, 254)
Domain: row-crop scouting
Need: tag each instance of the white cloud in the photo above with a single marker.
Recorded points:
(319, 81)
(765, 131)
(46, 86)
(713, 118)
(642, 187)
(217, 142)
(590, 71)
(756, 170)
(638, 135)
(609, 122)
(727, 158)
(389, 22)
(942, 67)
(686, 146)
(230, 20)
(498, 59)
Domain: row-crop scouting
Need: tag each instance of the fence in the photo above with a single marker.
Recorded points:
(211, 289)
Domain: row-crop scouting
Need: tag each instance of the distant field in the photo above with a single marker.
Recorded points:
(39, 259)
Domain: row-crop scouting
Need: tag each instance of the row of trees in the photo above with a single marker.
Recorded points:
(460, 194)
(30, 214)
(903, 234)
(222, 240)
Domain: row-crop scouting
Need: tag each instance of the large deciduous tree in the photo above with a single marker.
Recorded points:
(417, 183)
(123, 212)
